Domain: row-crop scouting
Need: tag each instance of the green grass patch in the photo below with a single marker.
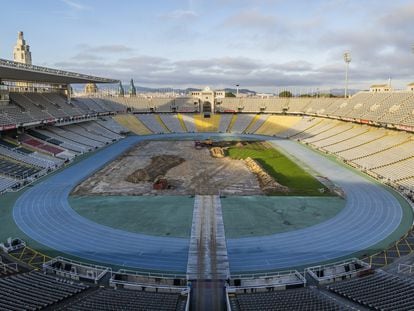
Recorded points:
(168, 216)
(280, 167)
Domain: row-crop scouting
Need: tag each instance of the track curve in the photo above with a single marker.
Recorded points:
(371, 214)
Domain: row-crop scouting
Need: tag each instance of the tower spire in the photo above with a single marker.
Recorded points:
(21, 51)
(121, 89)
(132, 90)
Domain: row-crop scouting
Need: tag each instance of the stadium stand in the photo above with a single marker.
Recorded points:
(276, 124)
(6, 183)
(122, 299)
(16, 170)
(99, 130)
(241, 123)
(189, 122)
(259, 120)
(74, 137)
(172, 122)
(210, 124)
(151, 122)
(30, 159)
(133, 124)
(34, 290)
(381, 291)
(294, 299)
(224, 122)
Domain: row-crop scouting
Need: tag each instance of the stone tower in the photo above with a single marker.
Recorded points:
(21, 52)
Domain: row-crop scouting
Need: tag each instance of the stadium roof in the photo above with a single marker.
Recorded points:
(14, 71)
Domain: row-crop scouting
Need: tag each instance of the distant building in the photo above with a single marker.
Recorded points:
(207, 98)
(21, 51)
(91, 88)
(380, 88)
(410, 87)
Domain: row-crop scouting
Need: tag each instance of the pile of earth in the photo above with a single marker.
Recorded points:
(159, 166)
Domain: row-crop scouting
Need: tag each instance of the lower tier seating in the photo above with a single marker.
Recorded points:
(284, 300)
(380, 291)
(121, 299)
(34, 291)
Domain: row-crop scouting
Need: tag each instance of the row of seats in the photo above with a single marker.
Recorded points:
(37, 107)
(380, 291)
(47, 148)
(31, 159)
(7, 183)
(34, 291)
(295, 299)
(16, 169)
(109, 299)
(393, 107)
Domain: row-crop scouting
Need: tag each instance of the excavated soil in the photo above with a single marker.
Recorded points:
(188, 171)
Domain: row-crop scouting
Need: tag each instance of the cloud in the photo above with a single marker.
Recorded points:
(252, 20)
(216, 72)
(256, 46)
(179, 15)
(108, 48)
(75, 5)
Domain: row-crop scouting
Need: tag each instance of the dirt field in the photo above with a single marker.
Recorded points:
(198, 174)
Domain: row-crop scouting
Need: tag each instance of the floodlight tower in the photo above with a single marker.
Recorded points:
(347, 59)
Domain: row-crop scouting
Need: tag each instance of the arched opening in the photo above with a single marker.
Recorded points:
(207, 107)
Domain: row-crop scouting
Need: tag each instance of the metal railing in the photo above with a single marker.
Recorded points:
(404, 268)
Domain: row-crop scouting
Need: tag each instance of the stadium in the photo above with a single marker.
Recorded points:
(201, 201)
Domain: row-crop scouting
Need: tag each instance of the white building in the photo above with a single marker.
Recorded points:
(207, 98)
(380, 88)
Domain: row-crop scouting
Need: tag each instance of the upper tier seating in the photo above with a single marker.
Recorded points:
(36, 111)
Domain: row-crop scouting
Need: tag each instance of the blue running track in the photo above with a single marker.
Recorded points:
(370, 215)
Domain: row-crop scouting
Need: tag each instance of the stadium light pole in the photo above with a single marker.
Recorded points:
(347, 59)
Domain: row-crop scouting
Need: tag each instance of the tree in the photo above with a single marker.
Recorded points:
(285, 94)
(230, 94)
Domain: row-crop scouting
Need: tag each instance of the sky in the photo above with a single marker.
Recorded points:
(263, 45)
